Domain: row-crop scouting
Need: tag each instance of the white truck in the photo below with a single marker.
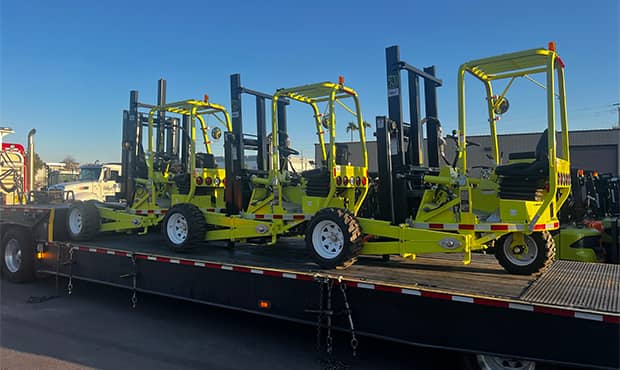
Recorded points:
(97, 181)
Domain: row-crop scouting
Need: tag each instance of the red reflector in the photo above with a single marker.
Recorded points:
(499, 227)
(363, 181)
(435, 226)
(466, 227)
(540, 227)
(334, 171)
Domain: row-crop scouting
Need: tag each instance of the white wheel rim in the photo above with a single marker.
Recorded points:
(503, 363)
(13, 256)
(75, 221)
(177, 228)
(520, 255)
(327, 239)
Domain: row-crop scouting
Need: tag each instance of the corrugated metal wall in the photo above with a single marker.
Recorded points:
(590, 149)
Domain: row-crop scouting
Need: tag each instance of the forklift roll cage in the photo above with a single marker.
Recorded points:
(313, 94)
(195, 110)
(511, 66)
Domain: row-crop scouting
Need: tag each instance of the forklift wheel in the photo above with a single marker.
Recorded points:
(184, 224)
(333, 237)
(17, 256)
(83, 221)
(535, 256)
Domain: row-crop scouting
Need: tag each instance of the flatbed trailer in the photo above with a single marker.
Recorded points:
(568, 315)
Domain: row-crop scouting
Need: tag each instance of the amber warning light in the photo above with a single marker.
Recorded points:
(265, 305)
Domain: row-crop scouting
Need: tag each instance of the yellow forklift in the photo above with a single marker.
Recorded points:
(442, 209)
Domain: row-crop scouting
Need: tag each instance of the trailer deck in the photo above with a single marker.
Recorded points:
(567, 283)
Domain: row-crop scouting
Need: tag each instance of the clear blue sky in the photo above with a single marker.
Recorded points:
(67, 66)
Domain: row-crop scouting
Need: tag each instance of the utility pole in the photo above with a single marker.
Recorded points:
(617, 105)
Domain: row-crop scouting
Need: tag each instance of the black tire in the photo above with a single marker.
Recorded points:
(184, 224)
(83, 221)
(483, 362)
(18, 256)
(541, 257)
(348, 232)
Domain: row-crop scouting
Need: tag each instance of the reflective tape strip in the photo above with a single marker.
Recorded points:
(481, 227)
(522, 307)
(489, 302)
(268, 216)
(458, 298)
(148, 211)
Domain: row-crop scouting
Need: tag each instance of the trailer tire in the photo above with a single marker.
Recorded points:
(183, 225)
(485, 362)
(83, 221)
(17, 251)
(333, 237)
(536, 258)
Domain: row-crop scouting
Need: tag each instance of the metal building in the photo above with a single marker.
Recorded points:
(590, 149)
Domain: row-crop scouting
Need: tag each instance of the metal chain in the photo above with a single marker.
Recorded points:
(70, 262)
(329, 339)
(320, 317)
(134, 297)
(134, 277)
(347, 307)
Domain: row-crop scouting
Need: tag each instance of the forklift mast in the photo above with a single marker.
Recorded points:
(237, 142)
(400, 144)
(167, 135)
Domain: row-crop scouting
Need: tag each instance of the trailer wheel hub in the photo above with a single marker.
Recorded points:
(327, 239)
(520, 254)
(13, 256)
(177, 228)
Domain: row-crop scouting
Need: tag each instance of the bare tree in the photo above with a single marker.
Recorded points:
(70, 163)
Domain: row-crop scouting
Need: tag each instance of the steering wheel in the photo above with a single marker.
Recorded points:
(286, 151)
(160, 159)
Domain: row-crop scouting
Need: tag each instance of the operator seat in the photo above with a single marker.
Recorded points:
(317, 182)
(525, 181)
(205, 160)
(540, 166)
